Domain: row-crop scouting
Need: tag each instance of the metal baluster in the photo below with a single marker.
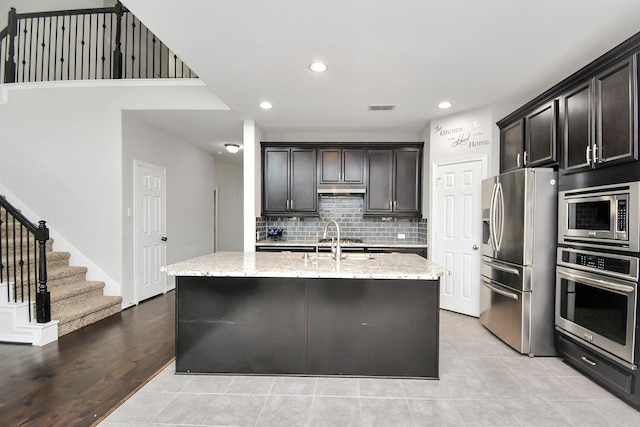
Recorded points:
(29, 272)
(50, 20)
(103, 56)
(15, 267)
(55, 49)
(2, 269)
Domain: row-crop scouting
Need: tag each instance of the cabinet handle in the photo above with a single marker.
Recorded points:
(524, 162)
(518, 159)
(595, 154)
(287, 204)
(588, 154)
(395, 205)
(291, 204)
(586, 360)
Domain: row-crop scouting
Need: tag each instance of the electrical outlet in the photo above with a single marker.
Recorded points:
(401, 236)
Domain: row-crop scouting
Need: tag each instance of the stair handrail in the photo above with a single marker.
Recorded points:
(118, 46)
(40, 233)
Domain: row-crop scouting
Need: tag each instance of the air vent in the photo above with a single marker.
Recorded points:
(382, 107)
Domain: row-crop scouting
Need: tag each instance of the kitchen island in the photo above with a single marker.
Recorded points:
(302, 314)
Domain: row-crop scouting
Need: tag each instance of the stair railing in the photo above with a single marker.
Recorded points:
(84, 44)
(23, 244)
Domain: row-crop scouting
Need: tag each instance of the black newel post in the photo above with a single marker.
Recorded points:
(43, 297)
(10, 63)
(117, 53)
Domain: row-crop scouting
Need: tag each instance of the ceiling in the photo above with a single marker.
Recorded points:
(411, 53)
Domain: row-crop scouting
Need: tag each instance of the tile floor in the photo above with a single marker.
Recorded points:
(482, 383)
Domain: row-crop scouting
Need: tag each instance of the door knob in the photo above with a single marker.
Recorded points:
(475, 247)
(164, 239)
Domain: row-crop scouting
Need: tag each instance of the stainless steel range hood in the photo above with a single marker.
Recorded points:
(341, 190)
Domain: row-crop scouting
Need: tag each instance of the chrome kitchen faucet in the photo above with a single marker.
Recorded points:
(337, 250)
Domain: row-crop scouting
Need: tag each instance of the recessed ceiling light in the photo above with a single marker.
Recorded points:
(444, 105)
(232, 148)
(318, 67)
(266, 105)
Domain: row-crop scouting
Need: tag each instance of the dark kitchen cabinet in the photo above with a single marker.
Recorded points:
(393, 182)
(511, 146)
(576, 124)
(599, 119)
(540, 147)
(289, 181)
(531, 140)
(341, 166)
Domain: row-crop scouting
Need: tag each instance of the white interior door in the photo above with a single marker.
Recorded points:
(457, 233)
(150, 230)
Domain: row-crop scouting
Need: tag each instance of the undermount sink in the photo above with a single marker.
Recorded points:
(350, 256)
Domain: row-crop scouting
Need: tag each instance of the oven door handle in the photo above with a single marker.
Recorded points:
(490, 284)
(616, 287)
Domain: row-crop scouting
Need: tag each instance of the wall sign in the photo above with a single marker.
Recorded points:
(464, 135)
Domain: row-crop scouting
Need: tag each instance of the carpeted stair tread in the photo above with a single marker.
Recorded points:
(87, 312)
(54, 259)
(62, 292)
(63, 275)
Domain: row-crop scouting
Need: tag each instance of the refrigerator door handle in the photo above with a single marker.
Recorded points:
(501, 267)
(500, 216)
(492, 216)
(489, 284)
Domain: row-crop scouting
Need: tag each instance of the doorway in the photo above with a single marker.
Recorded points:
(149, 218)
(456, 232)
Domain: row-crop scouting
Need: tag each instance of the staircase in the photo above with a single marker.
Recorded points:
(75, 301)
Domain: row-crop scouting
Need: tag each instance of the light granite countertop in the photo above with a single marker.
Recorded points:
(287, 264)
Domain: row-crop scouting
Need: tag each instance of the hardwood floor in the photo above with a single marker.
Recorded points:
(77, 380)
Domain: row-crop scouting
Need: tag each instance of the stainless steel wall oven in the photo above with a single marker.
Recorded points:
(604, 217)
(596, 301)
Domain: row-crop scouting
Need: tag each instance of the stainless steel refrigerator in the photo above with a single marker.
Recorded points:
(519, 221)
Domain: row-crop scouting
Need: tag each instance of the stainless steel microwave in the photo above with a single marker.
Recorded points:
(603, 217)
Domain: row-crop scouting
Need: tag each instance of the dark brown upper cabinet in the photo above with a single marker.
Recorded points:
(289, 185)
(341, 167)
(540, 147)
(599, 119)
(531, 140)
(393, 182)
(512, 146)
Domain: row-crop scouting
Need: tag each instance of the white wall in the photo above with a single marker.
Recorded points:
(251, 181)
(228, 180)
(467, 135)
(62, 156)
(190, 176)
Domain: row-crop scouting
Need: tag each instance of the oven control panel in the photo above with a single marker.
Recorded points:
(617, 265)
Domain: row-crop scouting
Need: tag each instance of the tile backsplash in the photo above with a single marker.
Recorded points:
(347, 211)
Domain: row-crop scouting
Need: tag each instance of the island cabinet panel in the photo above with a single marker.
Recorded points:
(240, 325)
(310, 326)
(373, 328)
